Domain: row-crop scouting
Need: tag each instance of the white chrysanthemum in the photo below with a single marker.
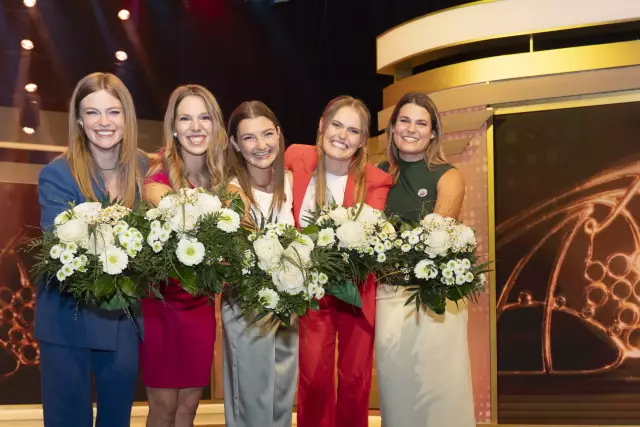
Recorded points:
(114, 260)
(271, 234)
(326, 237)
(165, 235)
(459, 269)
(60, 275)
(425, 269)
(379, 247)
(137, 246)
(369, 251)
(252, 237)
(152, 214)
(67, 270)
(66, 257)
(314, 277)
(451, 264)
(313, 288)
(388, 245)
(405, 248)
(466, 263)
(319, 293)
(468, 276)
(413, 239)
(154, 234)
(460, 279)
(447, 273)
(268, 298)
(449, 281)
(132, 252)
(55, 251)
(71, 247)
(481, 278)
(323, 278)
(73, 230)
(77, 263)
(229, 221)
(382, 257)
(124, 236)
(156, 246)
(190, 251)
(156, 224)
(120, 227)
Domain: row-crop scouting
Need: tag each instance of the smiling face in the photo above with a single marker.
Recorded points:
(413, 131)
(193, 125)
(102, 119)
(342, 135)
(258, 140)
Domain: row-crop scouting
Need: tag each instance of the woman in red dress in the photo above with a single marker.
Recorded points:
(177, 352)
(336, 170)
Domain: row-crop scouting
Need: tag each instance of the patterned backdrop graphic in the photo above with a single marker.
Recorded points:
(568, 261)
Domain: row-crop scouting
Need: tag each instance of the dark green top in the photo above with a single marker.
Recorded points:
(416, 191)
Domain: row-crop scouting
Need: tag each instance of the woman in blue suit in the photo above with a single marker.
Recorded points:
(77, 340)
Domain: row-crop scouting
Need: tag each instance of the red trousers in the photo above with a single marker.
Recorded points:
(318, 405)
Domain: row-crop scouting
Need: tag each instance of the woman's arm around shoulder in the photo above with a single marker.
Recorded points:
(298, 156)
(152, 192)
(378, 186)
(451, 191)
(56, 191)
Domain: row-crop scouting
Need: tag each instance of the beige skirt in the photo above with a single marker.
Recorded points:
(422, 362)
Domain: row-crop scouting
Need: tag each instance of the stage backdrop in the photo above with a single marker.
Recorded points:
(568, 265)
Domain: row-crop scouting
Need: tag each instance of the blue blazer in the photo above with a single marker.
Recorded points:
(60, 319)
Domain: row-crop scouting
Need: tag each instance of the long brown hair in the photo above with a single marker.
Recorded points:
(78, 154)
(433, 154)
(237, 164)
(359, 159)
(171, 159)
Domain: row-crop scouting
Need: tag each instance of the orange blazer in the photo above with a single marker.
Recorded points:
(302, 161)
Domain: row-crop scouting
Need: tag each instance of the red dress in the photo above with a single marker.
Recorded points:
(179, 333)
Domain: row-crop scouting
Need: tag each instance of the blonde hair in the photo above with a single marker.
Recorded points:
(78, 154)
(359, 159)
(237, 164)
(433, 154)
(171, 159)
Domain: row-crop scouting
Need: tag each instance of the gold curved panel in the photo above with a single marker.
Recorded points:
(409, 44)
(501, 68)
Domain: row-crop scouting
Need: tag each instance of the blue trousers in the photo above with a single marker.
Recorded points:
(66, 382)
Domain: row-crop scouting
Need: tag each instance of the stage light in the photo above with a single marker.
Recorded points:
(124, 14)
(31, 87)
(121, 55)
(30, 114)
(27, 44)
(29, 3)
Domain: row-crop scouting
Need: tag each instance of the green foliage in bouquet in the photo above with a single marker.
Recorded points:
(436, 261)
(91, 254)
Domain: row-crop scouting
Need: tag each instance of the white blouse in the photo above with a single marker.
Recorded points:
(336, 186)
(263, 203)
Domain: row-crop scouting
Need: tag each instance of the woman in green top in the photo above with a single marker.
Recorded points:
(422, 358)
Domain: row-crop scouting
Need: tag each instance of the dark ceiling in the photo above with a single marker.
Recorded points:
(294, 55)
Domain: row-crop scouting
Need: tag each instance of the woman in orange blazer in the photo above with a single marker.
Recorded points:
(336, 170)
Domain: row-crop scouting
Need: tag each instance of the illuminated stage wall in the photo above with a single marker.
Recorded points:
(568, 265)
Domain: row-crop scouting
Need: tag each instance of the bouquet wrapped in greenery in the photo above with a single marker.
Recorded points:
(436, 259)
(195, 240)
(93, 253)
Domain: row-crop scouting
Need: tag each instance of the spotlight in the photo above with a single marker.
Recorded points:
(31, 87)
(121, 55)
(26, 44)
(29, 3)
(30, 114)
(124, 14)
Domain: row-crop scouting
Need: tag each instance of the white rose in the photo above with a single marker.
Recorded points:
(339, 215)
(387, 228)
(168, 202)
(153, 214)
(433, 220)
(289, 279)
(100, 239)
(72, 231)
(298, 254)
(87, 209)
(208, 203)
(367, 215)
(269, 251)
(437, 243)
(351, 234)
(465, 235)
(184, 218)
